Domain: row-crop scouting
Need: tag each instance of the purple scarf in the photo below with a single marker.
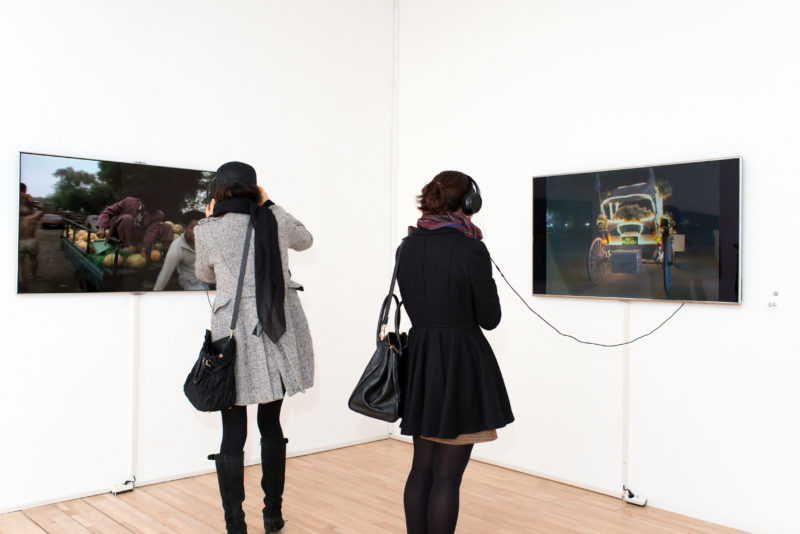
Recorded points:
(450, 219)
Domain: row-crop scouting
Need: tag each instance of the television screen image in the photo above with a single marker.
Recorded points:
(88, 225)
(665, 232)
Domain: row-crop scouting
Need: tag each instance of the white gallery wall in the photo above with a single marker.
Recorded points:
(302, 90)
(503, 90)
(508, 90)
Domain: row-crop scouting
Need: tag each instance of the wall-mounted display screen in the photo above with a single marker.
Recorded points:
(89, 225)
(665, 232)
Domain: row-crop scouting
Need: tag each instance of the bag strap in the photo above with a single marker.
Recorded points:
(242, 269)
(383, 315)
(396, 266)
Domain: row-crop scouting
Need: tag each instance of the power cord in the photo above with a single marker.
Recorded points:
(571, 336)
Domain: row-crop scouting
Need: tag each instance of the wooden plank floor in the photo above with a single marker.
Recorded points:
(356, 490)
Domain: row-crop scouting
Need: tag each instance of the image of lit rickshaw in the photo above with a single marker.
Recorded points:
(632, 228)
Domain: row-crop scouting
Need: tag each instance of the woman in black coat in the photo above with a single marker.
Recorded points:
(453, 392)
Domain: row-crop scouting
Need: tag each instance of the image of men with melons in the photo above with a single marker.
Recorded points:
(129, 221)
(108, 226)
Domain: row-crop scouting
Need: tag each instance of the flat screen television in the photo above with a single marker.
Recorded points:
(662, 232)
(91, 225)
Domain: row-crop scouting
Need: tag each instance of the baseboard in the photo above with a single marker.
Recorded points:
(253, 460)
(341, 445)
(554, 478)
(546, 476)
(188, 474)
(55, 500)
(305, 452)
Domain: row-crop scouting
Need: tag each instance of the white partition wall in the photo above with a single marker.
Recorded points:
(509, 90)
(474, 96)
(301, 90)
(65, 384)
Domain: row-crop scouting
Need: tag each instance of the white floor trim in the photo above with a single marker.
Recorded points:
(257, 460)
(547, 476)
(158, 480)
(54, 500)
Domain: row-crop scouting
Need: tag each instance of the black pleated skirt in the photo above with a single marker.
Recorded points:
(452, 384)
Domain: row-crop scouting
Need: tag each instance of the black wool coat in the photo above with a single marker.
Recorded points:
(452, 383)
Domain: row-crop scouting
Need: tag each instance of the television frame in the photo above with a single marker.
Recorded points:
(184, 193)
(729, 237)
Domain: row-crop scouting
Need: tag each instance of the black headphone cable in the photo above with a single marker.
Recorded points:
(571, 336)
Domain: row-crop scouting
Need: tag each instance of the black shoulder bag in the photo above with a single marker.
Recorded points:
(378, 393)
(211, 384)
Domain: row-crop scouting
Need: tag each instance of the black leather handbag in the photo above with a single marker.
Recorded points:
(378, 393)
(211, 384)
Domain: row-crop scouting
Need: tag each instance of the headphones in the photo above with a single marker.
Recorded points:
(471, 202)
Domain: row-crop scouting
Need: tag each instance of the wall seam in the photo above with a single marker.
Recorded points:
(394, 141)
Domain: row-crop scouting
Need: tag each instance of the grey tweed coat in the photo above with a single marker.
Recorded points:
(261, 365)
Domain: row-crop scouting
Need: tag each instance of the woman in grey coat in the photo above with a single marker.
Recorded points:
(274, 352)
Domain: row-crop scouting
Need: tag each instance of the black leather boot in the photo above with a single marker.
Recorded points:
(230, 475)
(273, 475)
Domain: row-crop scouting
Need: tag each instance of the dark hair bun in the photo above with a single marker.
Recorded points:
(433, 198)
(444, 192)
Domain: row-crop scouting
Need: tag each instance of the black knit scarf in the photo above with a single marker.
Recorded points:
(270, 291)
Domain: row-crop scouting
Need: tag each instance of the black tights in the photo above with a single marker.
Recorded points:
(234, 425)
(432, 488)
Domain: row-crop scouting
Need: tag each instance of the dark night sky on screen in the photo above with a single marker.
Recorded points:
(695, 186)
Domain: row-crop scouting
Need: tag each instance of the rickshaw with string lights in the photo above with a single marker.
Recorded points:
(632, 229)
